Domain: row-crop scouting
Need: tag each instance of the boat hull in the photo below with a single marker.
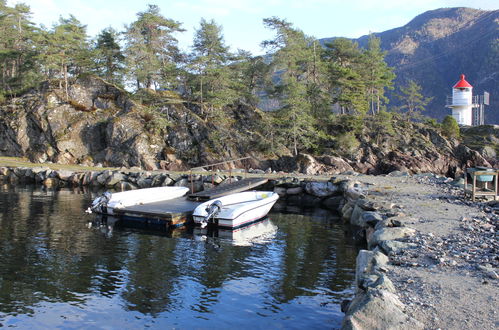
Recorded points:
(124, 199)
(238, 210)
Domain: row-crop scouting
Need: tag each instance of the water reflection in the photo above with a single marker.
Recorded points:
(57, 271)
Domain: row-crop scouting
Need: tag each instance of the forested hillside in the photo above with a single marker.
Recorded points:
(132, 98)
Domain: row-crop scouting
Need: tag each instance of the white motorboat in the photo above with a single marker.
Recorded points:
(107, 202)
(235, 210)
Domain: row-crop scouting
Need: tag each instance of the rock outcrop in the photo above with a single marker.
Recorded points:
(96, 123)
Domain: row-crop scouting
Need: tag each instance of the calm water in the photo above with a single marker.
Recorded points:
(62, 268)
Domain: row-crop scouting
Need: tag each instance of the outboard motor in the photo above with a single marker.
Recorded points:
(212, 210)
(99, 203)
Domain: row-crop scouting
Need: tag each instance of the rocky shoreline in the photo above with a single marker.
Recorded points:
(432, 260)
(412, 225)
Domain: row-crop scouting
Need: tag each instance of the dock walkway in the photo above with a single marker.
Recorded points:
(228, 188)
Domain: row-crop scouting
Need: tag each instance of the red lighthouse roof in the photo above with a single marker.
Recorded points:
(462, 83)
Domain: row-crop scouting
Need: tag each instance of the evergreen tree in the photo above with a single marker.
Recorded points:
(65, 50)
(413, 101)
(377, 75)
(109, 57)
(152, 51)
(450, 127)
(17, 49)
(345, 82)
(214, 82)
(293, 58)
(248, 73)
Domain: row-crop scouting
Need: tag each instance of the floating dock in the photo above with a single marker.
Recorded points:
(173, 212)
(176, 212)
(228, 188)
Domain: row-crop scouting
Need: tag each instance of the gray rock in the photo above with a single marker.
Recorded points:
(102, 178)
(356, 215)
(4, 171)
(216, 179)
(90, 178)
(363, 265)
(19, 171)
(294, 191)
(378, 281)
(182, 183)
(396, 247)
(114, 178)
(168, 182)
(157, 180)
(125, 185)
(287, 182)
(40, 176)
(321, 189)
(389, 234)
(378, 309)
(144, 182)
(398, 174)
(281, 191)
(354, 193)
(346, 212)
(379, 259)
(370, 218)
(397, 221)
(333, 202)
(64, 174)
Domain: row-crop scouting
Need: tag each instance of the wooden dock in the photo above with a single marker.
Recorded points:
(178, 211)
(174, 212)
(228, 188)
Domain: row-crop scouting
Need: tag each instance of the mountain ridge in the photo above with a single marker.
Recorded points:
(435, 47)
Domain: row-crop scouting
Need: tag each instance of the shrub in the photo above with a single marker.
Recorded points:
(450, 128)
(347, 144)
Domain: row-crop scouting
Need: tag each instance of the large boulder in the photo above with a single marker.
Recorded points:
(321, 189)
(378, 309)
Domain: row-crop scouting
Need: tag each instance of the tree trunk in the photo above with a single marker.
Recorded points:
(66, 80)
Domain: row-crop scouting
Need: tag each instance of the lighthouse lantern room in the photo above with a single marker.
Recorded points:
(462, 102)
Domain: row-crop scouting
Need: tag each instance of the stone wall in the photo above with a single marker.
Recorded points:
(375, 304)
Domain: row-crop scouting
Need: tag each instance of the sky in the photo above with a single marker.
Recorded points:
(241, 20)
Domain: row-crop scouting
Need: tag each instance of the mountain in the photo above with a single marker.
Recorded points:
(437, 46)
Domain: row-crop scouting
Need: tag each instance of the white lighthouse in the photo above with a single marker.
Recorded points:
(462, 102)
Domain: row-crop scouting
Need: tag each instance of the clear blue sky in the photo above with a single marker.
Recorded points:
(242, 19)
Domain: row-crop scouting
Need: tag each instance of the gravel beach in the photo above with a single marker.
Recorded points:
(449, 279)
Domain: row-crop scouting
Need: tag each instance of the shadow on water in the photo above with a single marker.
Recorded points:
(64, 268)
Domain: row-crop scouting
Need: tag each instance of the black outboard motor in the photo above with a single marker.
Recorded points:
(212, 210)
(100, 203)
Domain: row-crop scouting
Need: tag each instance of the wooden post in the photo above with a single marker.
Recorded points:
(497, 186)
(473, 187)
(465, 182)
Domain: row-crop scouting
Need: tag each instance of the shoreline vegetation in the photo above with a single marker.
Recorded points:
(430, 251)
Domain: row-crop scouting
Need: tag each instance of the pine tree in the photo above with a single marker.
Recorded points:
(293, 58)
(413, 101)
(345, 82)
(17, 49)
(213, 83)
(152, 50)
(109, 59)
(65, 51)
(377, 75)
